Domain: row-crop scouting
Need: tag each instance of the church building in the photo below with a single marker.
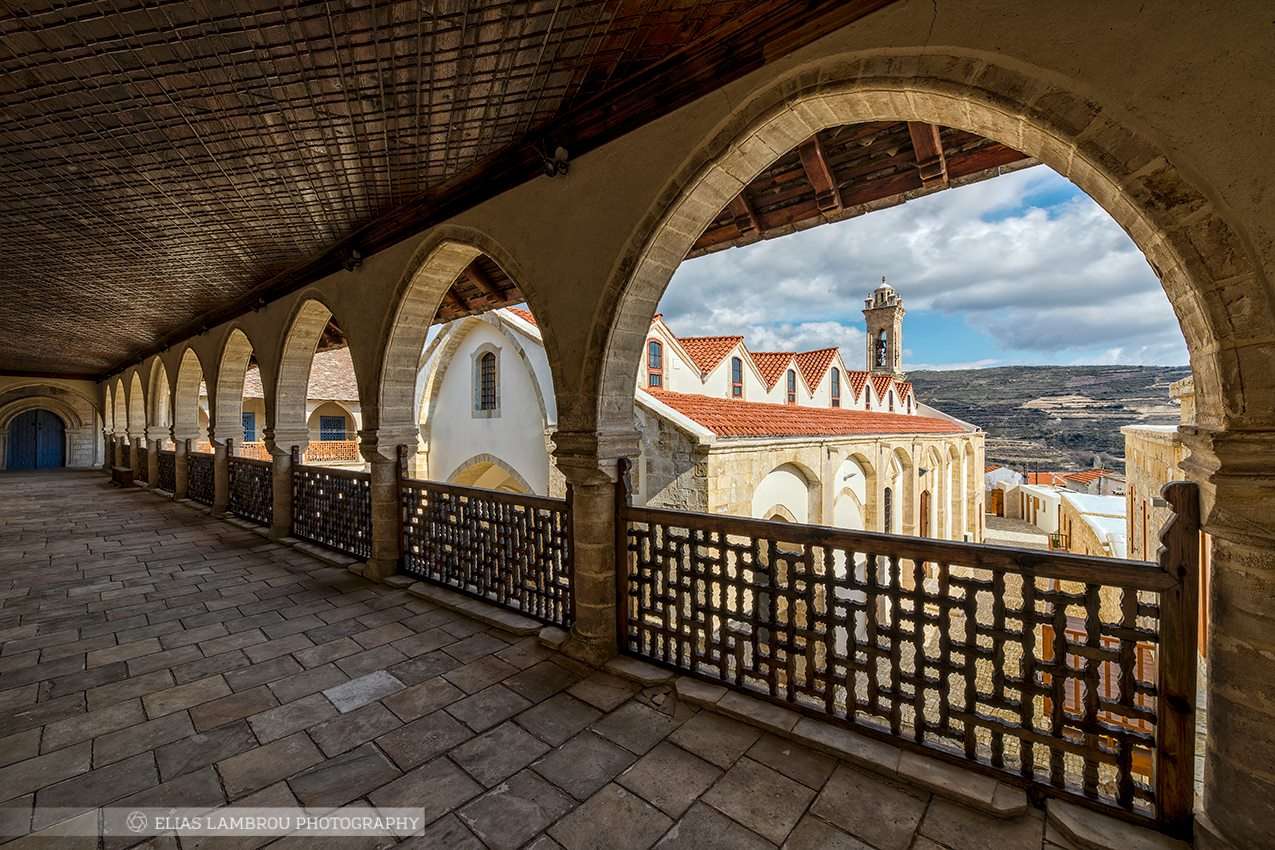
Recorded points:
(787, 435)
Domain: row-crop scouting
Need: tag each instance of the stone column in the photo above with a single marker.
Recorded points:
(1236, 473)
(588, 460)
(108, 451)
(133, 461)
(280, 445)
(153, 442)
(387, 456)
(181, 467)
(221, 476)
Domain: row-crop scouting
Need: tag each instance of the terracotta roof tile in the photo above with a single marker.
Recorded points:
(813, 364)
(1048, 478)
(991, 467)
(331, 377)
(772, 365)
(857, 380)
(522, 313)
(881, 385)
(733, 418)
(1085, 476)
(708, 351)
(904, 388)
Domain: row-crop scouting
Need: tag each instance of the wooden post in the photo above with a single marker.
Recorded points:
(622, 500)
(1179, 556)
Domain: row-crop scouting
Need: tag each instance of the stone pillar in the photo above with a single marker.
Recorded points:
(153, 442)
(280, 445)
(108, 451)
(221, 476)
(588, 460)
(133, 462)
(387, 455)
(181, 467)
(1236, 473)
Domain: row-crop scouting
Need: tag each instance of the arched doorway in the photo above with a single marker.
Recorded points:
(37, 440)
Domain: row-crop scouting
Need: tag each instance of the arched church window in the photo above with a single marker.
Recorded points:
(487, 372)
(736, 377)
(654, 363)
(887, 505)
(792, 386)
(836, 387)
(891, 401)
(882, 350)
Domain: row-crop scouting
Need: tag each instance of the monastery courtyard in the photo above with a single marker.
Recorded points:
(151, 655)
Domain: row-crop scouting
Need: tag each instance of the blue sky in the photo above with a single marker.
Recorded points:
(1020, 269)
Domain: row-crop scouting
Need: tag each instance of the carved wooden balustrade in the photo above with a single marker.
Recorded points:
(251, 490)
(333, 507)
(1073, 676)
(510, 549)
(167, 470)
(199, 477)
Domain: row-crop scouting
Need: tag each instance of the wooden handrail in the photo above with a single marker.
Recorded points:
(482, 492)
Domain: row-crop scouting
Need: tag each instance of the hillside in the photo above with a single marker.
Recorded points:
(1057, 416)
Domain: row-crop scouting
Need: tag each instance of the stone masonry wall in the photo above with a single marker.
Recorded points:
(672, 471)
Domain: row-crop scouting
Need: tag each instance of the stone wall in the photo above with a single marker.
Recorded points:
(1152, 459)
(672, 471)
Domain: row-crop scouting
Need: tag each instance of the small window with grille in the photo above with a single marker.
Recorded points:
(486, 382)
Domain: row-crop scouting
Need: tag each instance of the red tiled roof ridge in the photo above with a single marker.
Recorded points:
(815, 363)
(524, 314)
(736, 418)
(708, 351)
(771, 364)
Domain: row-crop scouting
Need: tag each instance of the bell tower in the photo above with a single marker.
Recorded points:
(883, 312)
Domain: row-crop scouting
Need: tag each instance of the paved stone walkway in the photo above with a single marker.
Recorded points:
(151, 655)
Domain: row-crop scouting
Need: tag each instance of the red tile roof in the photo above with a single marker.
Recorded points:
(1084, 476)
(772, 364)
(813, 364)
(1049, 478)
(522, 313)
(733, 418)
(881, 384)
(331, 377)
(708, 351)
(991, 467)
(904, 388)
(858, 380)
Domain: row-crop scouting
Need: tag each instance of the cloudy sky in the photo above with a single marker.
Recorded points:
(1020, 269)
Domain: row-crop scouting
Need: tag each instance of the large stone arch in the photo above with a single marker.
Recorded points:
(1217, 290)
(788, 484)
(862, 495)
(136, 407)
(434, 267)
(286, 414)
(119, 417)
(481, 463)
(190, 374)
(227, 419)
(160, 413)
(903, 497)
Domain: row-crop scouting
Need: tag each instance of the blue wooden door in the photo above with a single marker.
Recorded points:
(37, 440)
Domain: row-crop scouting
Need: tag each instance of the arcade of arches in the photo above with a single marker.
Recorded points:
(1181, 167)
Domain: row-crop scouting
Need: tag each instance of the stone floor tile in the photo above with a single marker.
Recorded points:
(510, 814)
(15, 817)
(715, 738)
(705, 828)
(235, 706)
(273, 796)
(438, 787)
(812, 833)
(612, 819)
(137, 686)
(19, 746)
(423, 698)
(63, 685)
(424, 667)
(162, 660)
(95, 788)
(275, 648)
(636, 727)
(473, 647)
(807, 766)
(307, 682)
(499, 753)
(669, 778)
(185, 696)
(883, 813)
(355, 693)
(369, 660)
(584, 764)
(347, 731)
(202, 749)
(423, 739)
(603, 691)
(381, 635)
(123, 652)
(558, 718)
(140, 738)
(486, 708)
(26, 776)
(541, 681)
(423, 642)
(84, 727)
(199, 789)
(761, 799)
(326, 653)
(525, 653)
(188, 636)
(477, 675)
(299, 714)
(346, 777)
(238, 640)
(962, 828)
(263, 765)
(446, 833)
(292, 626)
(263, 673)
(204, 667)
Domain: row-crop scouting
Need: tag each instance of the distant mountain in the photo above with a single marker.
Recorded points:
(1059, 417)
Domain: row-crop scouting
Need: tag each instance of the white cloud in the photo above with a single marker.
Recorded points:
(1046, 282)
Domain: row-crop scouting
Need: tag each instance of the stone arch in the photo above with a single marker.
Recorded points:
(861, 495)
(286, 416)
(190, 374)
(777, 513)
(931, 474)
(973, 492)
(136, 407)
(791, 484)
(904, 490)
(469, 473)
(1217, 290)
(227, 418)
(434, 267)
(119, 418)
(955, 481)
(13, 409)
(160, 416)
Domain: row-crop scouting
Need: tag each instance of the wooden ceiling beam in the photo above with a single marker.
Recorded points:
(820, 175)
(928, 147)
(745, 216)
(485, 285)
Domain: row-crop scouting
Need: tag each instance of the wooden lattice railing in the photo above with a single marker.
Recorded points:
(1074, 675)
(167, 462)
(251, 489)
(142, 473)
(510, 549)
(333, 451)
(253, 450)
(333, 507)
(199, 477)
